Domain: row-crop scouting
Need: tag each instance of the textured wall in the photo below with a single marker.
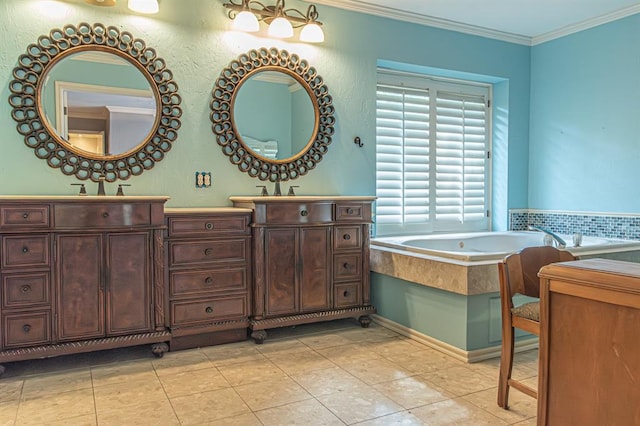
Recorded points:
(194, 38)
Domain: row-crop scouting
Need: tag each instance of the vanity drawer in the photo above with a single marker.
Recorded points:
(102, 215)
(25, 290)
(208, 226)
(186, 283)
(347, 237)
(186, 253)
(27, 329)
(208, 310)
(346, 295)
(298, 213)
(21, 216)
(347, 266)
(23, 251)
(353, 211)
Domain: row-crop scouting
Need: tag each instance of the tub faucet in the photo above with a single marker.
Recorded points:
(560, 243)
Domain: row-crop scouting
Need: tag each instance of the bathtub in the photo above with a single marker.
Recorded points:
(487, 246)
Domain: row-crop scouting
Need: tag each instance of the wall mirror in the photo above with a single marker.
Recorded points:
(95, 102)
(272, 114)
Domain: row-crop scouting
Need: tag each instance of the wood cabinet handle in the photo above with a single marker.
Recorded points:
(346, 237)
(25, 215)
(26, 288)
(208, 280)
(346, 266)
(25, 249)
(209, 310)
(26, 328)
(304, 213)
(349, 211)
(208, 226)
(105, 214)
(346, 293)
(208, 252)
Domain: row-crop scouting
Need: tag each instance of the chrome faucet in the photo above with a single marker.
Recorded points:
(560, 243)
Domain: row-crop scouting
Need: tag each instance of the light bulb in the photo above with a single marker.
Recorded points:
(144, 6)
(312, 33)
(280, 28)
(246, 21)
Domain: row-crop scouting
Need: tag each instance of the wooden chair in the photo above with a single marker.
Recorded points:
(519, 275)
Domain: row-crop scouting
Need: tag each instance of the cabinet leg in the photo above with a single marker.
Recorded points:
(365, 320)
(158, 349)
(259, 336)
(2, 370)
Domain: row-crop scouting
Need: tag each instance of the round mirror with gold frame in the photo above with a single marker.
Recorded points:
(272, 114)
(95, 102)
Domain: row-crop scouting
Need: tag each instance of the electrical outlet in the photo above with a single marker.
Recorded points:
(203, 179)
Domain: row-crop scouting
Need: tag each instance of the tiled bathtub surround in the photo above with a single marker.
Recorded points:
(625, 226)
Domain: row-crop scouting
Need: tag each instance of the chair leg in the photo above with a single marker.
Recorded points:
(506, 364)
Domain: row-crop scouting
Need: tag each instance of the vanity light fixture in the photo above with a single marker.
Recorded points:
(281, 21)
(141, 6)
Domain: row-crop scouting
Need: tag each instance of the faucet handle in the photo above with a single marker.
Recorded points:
(264, 191)
(83, 190)
(120, 191)
(291, 191)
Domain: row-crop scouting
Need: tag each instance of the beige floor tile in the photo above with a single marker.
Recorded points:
(49, 384)
(38, 411)
(376, 371)
(8, 413)
(248, 419)
(177, 362)
(318, 341)
(195, 381)
(153, 413)
(138, 392)
(131, 371)
(250, 372)
(423, 361)
(455, 411)
(346, 354)
(412, 392)
(358, 407)
(278, 347)
(10, 389)
(86, 420)
(205, 407)
(233, 354)
(370, 334)
(404, 418)
(273, 393)
(300, 362)
(460, 380)
(521, 406)
(529, 422)
(331, 380)
(393, 346)
(303, 413)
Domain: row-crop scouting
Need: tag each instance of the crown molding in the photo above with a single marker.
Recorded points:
(416, 18)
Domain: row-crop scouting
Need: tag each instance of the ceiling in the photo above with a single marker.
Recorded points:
(521, 21)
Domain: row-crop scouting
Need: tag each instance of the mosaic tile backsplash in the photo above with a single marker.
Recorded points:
(594, 225)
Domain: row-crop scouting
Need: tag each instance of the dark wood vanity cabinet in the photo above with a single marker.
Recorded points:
(208, 254)
(80, 274)
(310, 260)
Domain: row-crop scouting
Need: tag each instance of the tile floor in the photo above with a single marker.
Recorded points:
(333, 373)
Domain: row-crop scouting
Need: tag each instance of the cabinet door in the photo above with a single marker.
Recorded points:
(281, 258)
(128, 273)
(315, 267)
(80, 287)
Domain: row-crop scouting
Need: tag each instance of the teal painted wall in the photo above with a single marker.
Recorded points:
(197, 44)
(584, 146)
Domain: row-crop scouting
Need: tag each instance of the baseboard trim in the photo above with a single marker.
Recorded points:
(475, 355)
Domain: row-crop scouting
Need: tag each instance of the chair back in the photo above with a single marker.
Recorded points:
(519, 271)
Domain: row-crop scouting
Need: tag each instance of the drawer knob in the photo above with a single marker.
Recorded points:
(209, 309)
(208, 226)
(105, 214)
(304, 213)
(25, 215)
(346, 266)
(208, 280)
(346, 293)
(346, 237)
(26, 328)
(349, 211)
(26, 288)
(25, 249)
(208, 252)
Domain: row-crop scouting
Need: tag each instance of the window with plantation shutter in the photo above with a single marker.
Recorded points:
(432, 155)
